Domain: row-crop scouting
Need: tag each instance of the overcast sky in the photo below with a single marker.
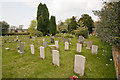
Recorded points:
(21, 12)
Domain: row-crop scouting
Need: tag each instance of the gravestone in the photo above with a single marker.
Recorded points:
(21, 47)
(89, 45)
(28, 40)
(66, 45)
(44, 44)
(33, 38)
(79, 64)
(42, 52)
(79, 47)
(52, 40)
(81, 40)
(94, 49)
(32, 49)
(55, 55)
(56, 44)
(17, 38)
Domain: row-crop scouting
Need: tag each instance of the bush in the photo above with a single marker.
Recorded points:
(58, 35)
(68, 36)
(22, 33)
(81, 31)
(37, 33)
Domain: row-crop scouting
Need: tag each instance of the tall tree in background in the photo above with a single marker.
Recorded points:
(87, 21)
(72, 25)
(52, 26)
(108, 27)
(5, 27)
(42, 18)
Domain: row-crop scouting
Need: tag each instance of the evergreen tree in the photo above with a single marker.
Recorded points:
(108, 27)
(87, 21)
(73, 24)
(52, 27)
(42, 18)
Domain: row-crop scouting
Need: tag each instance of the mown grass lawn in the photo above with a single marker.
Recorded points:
(15, 65)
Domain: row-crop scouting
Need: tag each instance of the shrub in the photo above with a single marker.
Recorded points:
(81, 31)
(37, 33)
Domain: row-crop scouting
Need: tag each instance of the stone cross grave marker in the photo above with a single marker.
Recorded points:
(66, 45)
(55, 55)
(79, 47)
(32, 49)
(21, 47)
(89, 45)
(79, 64)
(42, 52)
(94, 49)
(56, 44)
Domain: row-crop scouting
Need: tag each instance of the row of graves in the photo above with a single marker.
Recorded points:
(79, 62)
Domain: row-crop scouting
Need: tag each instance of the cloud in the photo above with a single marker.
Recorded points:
(61, 9)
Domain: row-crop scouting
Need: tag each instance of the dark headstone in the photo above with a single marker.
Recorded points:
(52, 40)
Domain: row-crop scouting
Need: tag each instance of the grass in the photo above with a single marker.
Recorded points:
(15, 65)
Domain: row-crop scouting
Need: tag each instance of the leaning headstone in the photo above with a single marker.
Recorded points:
(94, 49)
(32, 49)
(21, 47)
(79, 64)
(79, 47)
(42, 52)
(55, 55)
(56, 44)
(66, 45)
(89, 45)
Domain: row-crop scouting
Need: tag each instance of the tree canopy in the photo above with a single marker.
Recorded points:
(108, 27)
(87, 21)
(52, 26)
(42, 18)
(5, 27)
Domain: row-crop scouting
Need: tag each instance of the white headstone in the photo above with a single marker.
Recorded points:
(79, 64)
(66, 45)
(32, 48)
(42, 52)
(79, 47)
(56, 44)
(55, 55)
(94, 49)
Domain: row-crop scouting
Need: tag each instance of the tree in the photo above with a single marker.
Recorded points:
(5, 27)
(87, 21)
(32, 29)
(42, 18)
(81, 30)
(62, 28)
(108, 27)
(72, 25)
(52, 27)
